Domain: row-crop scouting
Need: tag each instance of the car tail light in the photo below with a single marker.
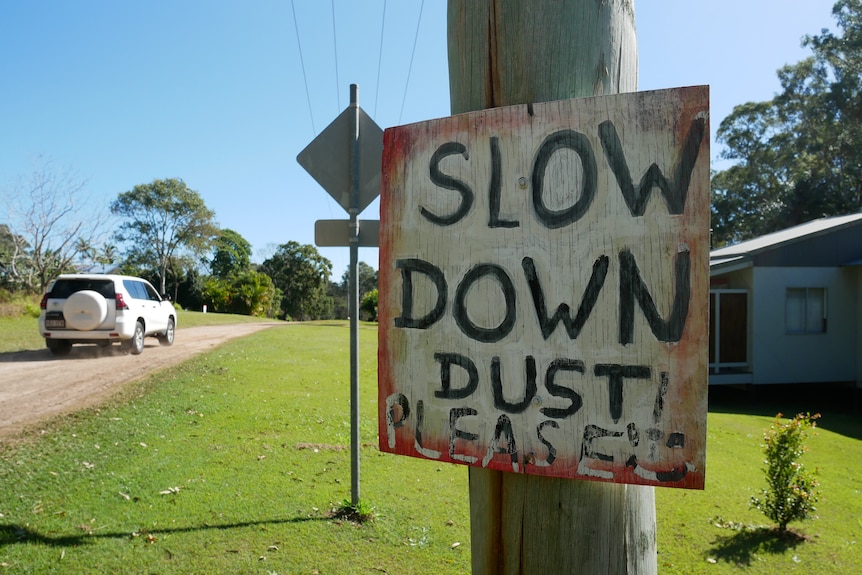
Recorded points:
(121, 303)
(44, 303)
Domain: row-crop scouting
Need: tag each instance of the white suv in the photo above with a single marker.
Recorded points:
(103, 309)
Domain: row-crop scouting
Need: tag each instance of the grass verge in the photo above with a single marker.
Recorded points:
(231, 463)
(238, 460)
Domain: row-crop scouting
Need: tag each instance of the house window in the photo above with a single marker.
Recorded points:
(805, 310)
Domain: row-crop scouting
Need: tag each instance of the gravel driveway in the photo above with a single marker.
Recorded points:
(35, 385)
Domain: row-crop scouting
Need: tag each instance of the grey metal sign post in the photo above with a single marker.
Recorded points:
(345, 160)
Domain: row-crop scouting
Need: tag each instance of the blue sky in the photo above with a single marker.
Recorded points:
(213, 92)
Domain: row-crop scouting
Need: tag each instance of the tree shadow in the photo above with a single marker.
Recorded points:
(838, 404)
(741, 547)
(11, 534)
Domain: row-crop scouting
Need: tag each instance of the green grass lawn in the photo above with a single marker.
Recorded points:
(232, 462)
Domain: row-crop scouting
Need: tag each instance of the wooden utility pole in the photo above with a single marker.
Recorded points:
(506, 52)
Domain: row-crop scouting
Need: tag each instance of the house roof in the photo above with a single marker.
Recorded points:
(825, 241)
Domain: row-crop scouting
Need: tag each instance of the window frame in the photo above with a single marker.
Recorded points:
(805, 320)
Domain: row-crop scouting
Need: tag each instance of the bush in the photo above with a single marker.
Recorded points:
(369, 305)
(790, 494)
(32, 309)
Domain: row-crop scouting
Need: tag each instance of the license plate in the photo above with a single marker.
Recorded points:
(55, 323)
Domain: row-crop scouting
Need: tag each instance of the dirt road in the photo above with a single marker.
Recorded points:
(35, 385)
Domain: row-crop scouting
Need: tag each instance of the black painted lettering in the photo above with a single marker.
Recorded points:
(674, 191)
(578, 143)
(673, 475)
(420, 427)
(676, 439)
(575, 400)
(392, 423)
(552, 451)
(448, 182)
(447, 360)
(591, 295)
(459, 311)
(529, 387)
(504, 442)
(495, 189)
(593, 433)
(632, 288)
(658, 408)
(454, 433)
(616, 375)
(634, 434)
(408, 267)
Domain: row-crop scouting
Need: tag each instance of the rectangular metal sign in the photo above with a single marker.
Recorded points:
(544, 288)
(336, 233)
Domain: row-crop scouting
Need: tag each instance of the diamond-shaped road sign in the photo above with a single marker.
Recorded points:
(329, 156)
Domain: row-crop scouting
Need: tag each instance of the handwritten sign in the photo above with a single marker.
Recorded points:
(543, 288)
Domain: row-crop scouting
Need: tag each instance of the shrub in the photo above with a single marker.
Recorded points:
(32, 309)
(791, 490)
(369, 305)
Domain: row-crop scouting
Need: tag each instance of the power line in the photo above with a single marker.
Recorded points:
(380, 58)
(412, 54)
(302, 63)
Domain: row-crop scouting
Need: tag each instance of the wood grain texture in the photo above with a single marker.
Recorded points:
(472, 74)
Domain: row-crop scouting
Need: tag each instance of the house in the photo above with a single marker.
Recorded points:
(787, 307)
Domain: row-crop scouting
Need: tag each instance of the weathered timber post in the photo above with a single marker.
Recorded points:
(519, 52)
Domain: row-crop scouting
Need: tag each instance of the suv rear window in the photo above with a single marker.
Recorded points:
(63, 288)
(140, 290)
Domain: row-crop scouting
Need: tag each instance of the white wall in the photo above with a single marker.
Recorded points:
(805, 358)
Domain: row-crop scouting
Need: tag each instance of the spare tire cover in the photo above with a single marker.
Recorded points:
(85, 310)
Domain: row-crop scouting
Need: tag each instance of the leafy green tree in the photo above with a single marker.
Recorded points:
(798, 156)
(791, 490)
(164, 219)
(232, 254)
(368, 305)
(302, 274)
(340, 292)
(337, 292)
(367, 278)
(248, 292)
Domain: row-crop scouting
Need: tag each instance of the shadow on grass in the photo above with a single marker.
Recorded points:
(741, 547)
(838, 404)
(11, 534)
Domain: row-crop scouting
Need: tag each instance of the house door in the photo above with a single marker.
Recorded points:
(728, 329)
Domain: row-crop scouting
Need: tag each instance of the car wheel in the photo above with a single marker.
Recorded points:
(135, 345)
(167, 338)
(59, 346)
(85, 310)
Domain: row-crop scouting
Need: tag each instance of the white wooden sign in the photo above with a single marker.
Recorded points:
(544, 288)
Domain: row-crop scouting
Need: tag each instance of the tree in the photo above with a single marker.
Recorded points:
(340, 291)
(49, 218)
(232, 254)
(368, 305)
(13, 258)
(301, 273)
(234, 286)
(367, 278)
(791, 490)
(798, 156)
(164, 219)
